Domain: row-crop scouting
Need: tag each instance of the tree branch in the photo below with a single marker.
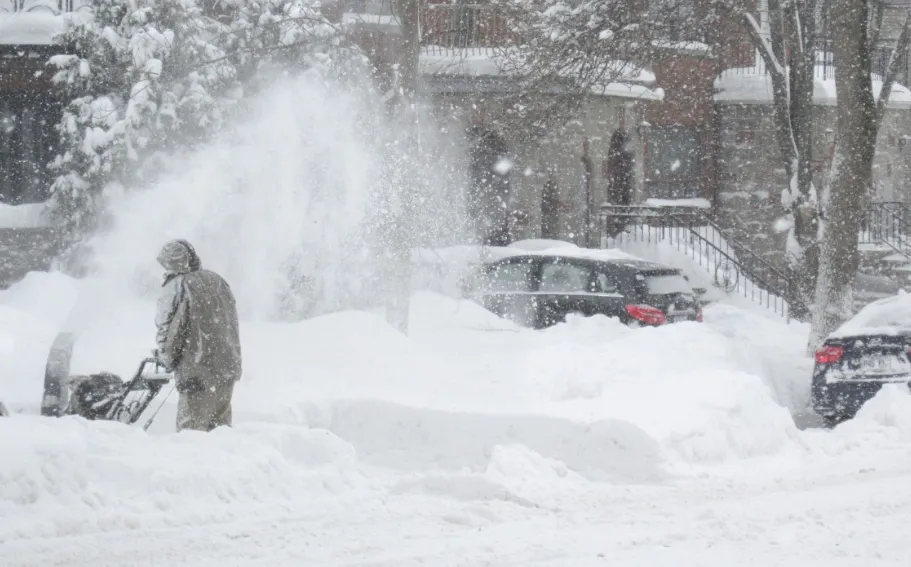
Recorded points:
(899, 54)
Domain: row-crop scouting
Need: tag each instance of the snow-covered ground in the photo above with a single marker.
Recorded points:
(468, 442)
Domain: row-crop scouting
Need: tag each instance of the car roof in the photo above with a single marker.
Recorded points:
(630, 265)
(888, 316)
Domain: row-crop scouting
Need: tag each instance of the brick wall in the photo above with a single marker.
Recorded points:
(688, 83)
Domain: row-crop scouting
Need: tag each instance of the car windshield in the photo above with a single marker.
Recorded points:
(508, 277)
(666, 284)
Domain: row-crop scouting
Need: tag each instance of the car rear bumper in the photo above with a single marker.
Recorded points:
(845, 398)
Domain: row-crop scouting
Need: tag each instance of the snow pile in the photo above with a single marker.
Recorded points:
(35, 28)
(889, 316)
(687, 385)
(70, 477)
(31, 314)
(22, 216)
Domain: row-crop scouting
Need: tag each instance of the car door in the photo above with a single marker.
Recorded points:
(608, 296)
(507, 290)
(564, 287)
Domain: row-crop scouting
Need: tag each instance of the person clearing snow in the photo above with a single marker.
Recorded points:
(198, 337)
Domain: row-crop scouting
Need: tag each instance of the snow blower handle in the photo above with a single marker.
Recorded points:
(159, 364)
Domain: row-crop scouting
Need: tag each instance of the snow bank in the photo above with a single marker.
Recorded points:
(718, 391)
(69, 477)
(889, 316)
(31, 314)
(688, 385)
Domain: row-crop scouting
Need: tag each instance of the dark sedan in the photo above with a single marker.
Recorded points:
(540, 290)
(868, 351)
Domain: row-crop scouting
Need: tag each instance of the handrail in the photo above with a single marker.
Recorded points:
(677, 213)
(728, 254)
(741, 248)
(885, 223)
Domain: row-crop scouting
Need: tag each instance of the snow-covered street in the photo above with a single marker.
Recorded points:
(470, 442)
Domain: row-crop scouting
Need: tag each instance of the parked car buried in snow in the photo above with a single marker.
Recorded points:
(871, 349)
(540, 290)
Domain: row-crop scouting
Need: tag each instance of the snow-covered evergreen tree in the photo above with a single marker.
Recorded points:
(146, 78)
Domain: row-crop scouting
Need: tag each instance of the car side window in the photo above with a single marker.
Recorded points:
(513, 276)
(605, 284)
(558, 277)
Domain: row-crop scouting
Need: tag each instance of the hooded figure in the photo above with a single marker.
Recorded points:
(198, 337)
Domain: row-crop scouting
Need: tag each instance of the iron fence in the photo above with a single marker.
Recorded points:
(46, 6)
(730, 265)
(466, 28)
(741, 63)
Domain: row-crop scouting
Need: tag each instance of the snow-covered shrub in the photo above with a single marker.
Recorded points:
(145, 79)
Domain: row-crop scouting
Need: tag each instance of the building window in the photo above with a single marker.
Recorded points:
(27, 144)
(679, 19)
(673, 163)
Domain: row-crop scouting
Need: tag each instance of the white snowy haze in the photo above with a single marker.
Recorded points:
(284, 203)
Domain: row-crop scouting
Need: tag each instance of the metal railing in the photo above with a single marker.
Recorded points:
(466, 28)
(45, 6)
(732, 267)
(887, 223)
(825, 61)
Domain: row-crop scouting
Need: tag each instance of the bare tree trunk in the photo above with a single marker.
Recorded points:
(852, 169)
(401, 231)
(789, 56)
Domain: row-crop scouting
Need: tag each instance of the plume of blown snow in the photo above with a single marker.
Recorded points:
(283, 204)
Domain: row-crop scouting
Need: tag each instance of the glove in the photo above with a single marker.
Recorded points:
(191, 385)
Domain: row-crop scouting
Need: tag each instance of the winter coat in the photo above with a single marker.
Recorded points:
(198, 331)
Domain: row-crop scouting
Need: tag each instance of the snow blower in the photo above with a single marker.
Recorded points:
(100, 396)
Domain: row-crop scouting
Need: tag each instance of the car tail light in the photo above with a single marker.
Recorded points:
(699, 314)
(647, 314)
(829, 354)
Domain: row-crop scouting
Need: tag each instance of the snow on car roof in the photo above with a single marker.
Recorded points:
(889, 316)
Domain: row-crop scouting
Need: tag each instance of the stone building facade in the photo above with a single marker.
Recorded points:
(699, 119)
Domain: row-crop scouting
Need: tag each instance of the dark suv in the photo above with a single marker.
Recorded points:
(540, 290)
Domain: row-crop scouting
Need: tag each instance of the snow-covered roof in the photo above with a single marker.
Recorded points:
(631, 81)
(36, 27)
(752, 85)
(695, 202)
(23, 216)
(691, 47)
(889, 316)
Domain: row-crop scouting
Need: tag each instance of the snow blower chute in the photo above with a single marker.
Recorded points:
(101, 396)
